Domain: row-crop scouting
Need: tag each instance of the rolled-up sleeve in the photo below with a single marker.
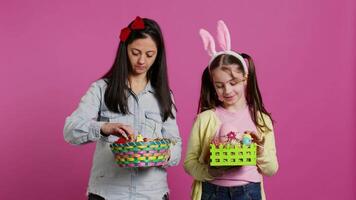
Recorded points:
(82, 125)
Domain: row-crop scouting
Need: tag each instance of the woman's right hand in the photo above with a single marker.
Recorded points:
(117, 129)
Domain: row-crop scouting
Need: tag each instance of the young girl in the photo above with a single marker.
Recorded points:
(230, 102)
(132, 97)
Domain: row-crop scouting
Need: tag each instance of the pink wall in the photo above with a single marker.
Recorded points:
(50, 51)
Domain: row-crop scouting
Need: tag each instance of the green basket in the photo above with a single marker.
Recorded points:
(141, 154)
(233, 155)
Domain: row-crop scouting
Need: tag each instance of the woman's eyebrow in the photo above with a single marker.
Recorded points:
(141, 51)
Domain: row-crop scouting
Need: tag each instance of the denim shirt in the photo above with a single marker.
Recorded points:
(106, 178)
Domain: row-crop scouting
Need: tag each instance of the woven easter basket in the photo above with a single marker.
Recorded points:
(233, 154)
(141, 154)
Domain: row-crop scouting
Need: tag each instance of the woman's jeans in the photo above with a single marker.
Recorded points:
(251, 191)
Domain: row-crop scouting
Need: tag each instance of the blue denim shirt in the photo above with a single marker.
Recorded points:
(106, 178)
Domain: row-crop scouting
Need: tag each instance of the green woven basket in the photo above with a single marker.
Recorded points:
(141, 154)
(232, 155)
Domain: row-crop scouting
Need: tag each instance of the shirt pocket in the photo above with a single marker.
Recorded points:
(112, 117)
(152, 125)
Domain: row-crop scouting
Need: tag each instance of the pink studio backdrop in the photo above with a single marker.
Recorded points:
(50, 52)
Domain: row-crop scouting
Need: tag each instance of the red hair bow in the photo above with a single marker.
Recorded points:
(137, 24)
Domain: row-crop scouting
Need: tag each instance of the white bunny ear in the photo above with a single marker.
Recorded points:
(224, 36)
(208, 41)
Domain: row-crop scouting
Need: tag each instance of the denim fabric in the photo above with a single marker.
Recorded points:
(106, 178)
(251, 191)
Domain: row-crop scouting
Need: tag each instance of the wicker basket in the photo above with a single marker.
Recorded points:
(232, 155)
(141, 154)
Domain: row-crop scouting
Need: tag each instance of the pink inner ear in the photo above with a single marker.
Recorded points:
(208, 42)
(223, 36)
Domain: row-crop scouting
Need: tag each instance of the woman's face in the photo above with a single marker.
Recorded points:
(142, 54)
(230, 85)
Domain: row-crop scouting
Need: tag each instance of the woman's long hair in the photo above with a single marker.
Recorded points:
(117, 90)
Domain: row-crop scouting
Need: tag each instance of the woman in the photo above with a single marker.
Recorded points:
(133, 97)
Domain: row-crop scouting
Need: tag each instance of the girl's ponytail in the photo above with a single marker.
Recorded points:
(254, 98)
(208, 98)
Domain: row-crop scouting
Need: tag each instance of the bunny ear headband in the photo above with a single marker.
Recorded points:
(224, 42)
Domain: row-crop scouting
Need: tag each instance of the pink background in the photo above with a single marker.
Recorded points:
(50, 51)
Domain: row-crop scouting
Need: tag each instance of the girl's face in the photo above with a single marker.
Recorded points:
(230, 85)
(142, 54)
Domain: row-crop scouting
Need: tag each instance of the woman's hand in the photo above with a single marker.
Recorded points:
(117, 129)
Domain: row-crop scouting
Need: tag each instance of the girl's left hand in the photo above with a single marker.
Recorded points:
(258, 139)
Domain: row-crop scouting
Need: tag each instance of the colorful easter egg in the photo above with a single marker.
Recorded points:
(246, 139)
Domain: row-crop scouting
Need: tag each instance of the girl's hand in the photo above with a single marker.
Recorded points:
(258, 139)
(117, 129)
(215, 172)
(218, 171)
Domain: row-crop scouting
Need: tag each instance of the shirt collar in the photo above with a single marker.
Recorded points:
(148, 88)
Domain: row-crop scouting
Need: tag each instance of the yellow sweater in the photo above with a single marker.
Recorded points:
(204, 128)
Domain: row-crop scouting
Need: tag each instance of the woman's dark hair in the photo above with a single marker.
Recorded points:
(209, 99)
(117, 90)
